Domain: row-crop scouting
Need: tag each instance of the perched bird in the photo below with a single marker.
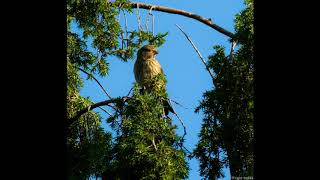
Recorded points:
(146, 68)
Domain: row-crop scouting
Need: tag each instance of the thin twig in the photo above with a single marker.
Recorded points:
(150, 13)
(198, 52)
(138, 15)
(147, 22)
(129, 92)
(105, 111)
(119, 21)
(97, 82)
(125, 26)
(184, 127)
(178, 103)
(187, 150)
(152, 24)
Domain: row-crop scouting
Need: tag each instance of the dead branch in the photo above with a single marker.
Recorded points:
(206, 21)
(198, 52)
(178, 104)
(184, 127)
(105, 111)
(125, 26)
(96, 81)
(138, 15)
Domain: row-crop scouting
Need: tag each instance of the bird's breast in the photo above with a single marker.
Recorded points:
(151, 68)
(146, 69)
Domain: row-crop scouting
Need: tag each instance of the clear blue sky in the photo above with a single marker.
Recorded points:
(185, 73)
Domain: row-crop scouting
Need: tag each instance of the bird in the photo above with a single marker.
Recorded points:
(145, 69)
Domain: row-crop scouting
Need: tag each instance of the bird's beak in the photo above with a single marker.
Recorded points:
(155, 52)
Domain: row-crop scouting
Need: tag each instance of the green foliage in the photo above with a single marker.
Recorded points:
(226, 137)
(148, 147)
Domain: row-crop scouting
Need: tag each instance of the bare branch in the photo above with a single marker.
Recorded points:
(178, 103)
(185, 133)
(125, 26)
(138, 15)
(105, 111)
(198, 52)
(150, 13)
(208, 22)
(184, 127)
(129, 92)
(97, 82)
(121, 34)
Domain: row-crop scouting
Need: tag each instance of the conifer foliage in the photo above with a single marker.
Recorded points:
(226, 137)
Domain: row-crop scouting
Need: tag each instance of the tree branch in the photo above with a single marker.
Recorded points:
(91, 107)
(198, 52)
(96, 81)
(184, 127)
(105, 111)
(205, 21)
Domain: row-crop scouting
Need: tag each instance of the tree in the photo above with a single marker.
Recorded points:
(146, 145)
(228, 108)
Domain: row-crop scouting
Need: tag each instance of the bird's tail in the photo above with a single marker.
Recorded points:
(167, 107)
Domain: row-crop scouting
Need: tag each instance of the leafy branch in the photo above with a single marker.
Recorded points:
(93, 106)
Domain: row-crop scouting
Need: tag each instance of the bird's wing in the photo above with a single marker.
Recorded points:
(159, 66)
(138, 70)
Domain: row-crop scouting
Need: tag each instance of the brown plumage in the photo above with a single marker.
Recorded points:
(147, 67)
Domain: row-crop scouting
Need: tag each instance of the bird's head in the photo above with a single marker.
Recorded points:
(147, 52)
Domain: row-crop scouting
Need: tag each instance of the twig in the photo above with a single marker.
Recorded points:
(138, 15)
(152, 24)
(97, 82)
(187, 150)
(126, 27)
(184, 127)
(129, 92)
(177, 103)
(150, 13)
(198, 52)
(119, 21)
(105, 111)
(147, 22)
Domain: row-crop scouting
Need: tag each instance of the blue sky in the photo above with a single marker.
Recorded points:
(186, 75)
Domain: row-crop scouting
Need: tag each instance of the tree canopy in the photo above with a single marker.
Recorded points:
(146, 145)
